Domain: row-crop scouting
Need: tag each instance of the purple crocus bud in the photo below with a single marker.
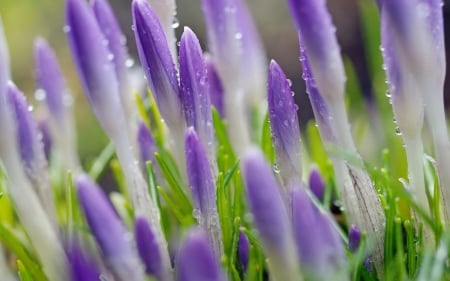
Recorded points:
(82, 267)
(91, 56)
(354, 238)
(243, 251)
(196, 260)
(117, 47)
(194, 89)
(46, 138)
(50, 79)
(284, 126)
(148, 248)
(318, 38)
(316, 184)
(203, 190)
(215, 89)
(157, 62)
(270, 216)
(146, 143)
(319, 106)
(109, 232)
(318, 243)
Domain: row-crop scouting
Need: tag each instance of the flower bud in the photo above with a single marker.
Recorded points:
(148, 248)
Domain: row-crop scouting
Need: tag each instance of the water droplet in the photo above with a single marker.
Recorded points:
(67, 99)
(289, 81)
(66, 28)
(129, 63)
(30, 108)
(110, 56)
(133, 27)
(397, 131)
(40, 95)
(276, 168)
(175, 23)
(238, 35)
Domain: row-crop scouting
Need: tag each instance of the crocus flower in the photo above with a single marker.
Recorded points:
(157, 62)
(194, 90)
(82, 267)
(108, 231)
(317, 36)
(239, 57)
(31, 149)
(319, 246)
(270, 216)
(316, 184)
(215, 88)
(95, 68)
(203, 189)
(196, 260)
(53, 88)
(146, 143)
(243, 251)
(354, 238)
(148, 248)
(116, 43)
(284, 127)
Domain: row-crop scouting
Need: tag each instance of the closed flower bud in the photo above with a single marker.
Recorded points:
(148, 248)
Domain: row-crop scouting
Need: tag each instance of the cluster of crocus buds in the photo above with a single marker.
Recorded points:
(198, 106)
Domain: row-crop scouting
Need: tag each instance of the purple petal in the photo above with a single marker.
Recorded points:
(199, 174)
(316, 184)
(265, 201)
(215, 88)
(108, 231)
(148, 248)
(30, 146)
(318, 38)
(157, 61)
(318, 244)
(284, 126)
(91, 56)
(194, 86)
(243, 251)
(319, 106)
(50, 78)
(82, 267)
(354, 238)
(46, 139)
(196, 261)
(115, 38)
(146, 143)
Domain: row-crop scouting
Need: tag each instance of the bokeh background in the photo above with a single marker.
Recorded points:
(24, 20)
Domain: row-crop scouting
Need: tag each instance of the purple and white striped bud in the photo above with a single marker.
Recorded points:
(116, 42)
(270, 216)
(50, 80)
(82, 266)
(354, 238)
(243, 251)
(91, 56)
(318, 38)
(316, 184)
(157, 62)
(203, 189)
(196, 260)
(113, 239)
(284, 126)
(31, 149)
(318, 243)
(194, 89)
(148, 248)
(215, 88)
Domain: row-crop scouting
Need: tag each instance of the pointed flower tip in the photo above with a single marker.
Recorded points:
(49, 77)
(354, 238)
(243, 251)
(148, 248)
(316, 183)
(196, 260)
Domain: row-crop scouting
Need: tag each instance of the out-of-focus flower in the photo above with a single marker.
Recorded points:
(46, 138)
(319, 246)
(270, 216)
(31, 149)
(215, 88)
(109, 232)
(203, 189)
(316, 184)
(82, 267)
(284, 126)
(194, 90)
(148, 248)
(243, 251)
(146, 144)
(196, 260)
